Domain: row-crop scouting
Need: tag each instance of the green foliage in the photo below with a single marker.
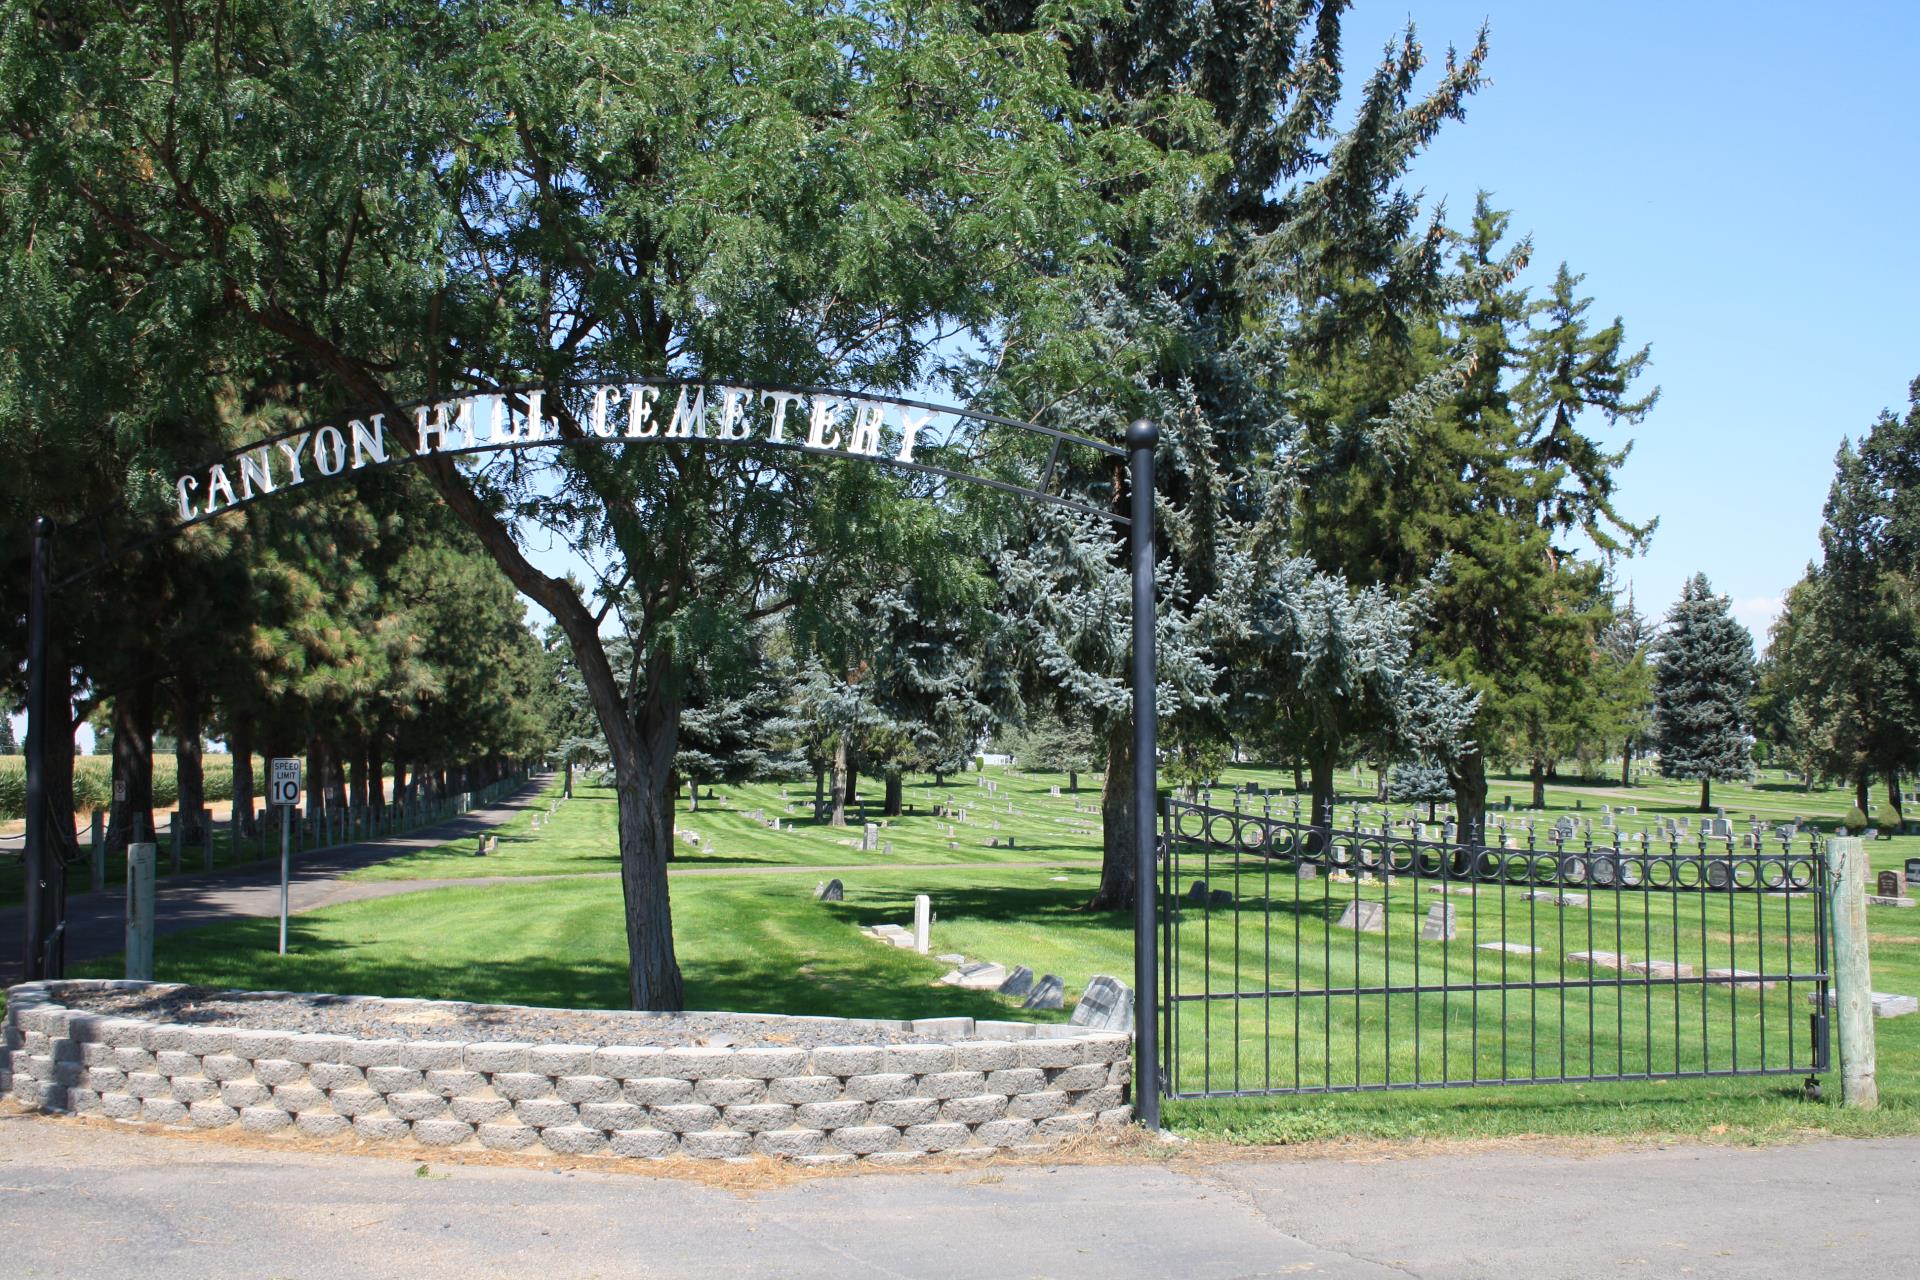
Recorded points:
(1703, 678)
(1856, 820)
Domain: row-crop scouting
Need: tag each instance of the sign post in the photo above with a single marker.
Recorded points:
(283, 789)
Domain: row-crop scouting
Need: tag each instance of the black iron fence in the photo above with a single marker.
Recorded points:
(1316, 958)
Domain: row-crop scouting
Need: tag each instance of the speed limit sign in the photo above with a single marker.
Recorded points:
(283, 782)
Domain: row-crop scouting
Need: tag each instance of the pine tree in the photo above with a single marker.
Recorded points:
(8, 745)
(1702, 680)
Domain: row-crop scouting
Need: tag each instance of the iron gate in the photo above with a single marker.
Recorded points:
(1313, 958)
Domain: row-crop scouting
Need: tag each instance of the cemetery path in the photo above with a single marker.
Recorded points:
(100, 1199)
(96, 922)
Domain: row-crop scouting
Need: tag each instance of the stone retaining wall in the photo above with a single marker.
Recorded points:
(1027, 1087)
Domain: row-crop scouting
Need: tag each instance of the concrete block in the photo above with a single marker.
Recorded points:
(224, 1066)
(1100, 1099)
(831, 1115)
(355, 1102)
(919, 1059)
(191, 1089)
(455, 1082)
(300, 1098)
(395, 1080)
(241, 1094)
(1120, 1072)
(497, 1056)
(940, 1136)
(83, 1102)
(577, 1089)
(825, 1160)
(478, 1110)
(880, 1086)
(310, 1047)
(163, 1111)
(901, 1113)
(864, 1139)
(975, 1110)
(545, 1112)
(691, 1117)
(507, 1136)
(1115, 1118)
(375, 1053)
(1088, 1075)
(643, 1144)
(278, 1071)
(561, 1059)
(106, 1080)
(752, 1117)
(441, 1133)
(612, 1116)
(766, 1064)
(629, 1063)
(434, 1055)
(127, 1033)
(716, 1144)
(213, 1114)
(943, 1028)
(985, 1055)
(321, 1124)
(798, 1089)
(848, 1060)
(1067, 1126)
(1003, 1133)
(133, 1058)
(336, 1075)
(1054, 1053)
(255, 1045)
(882, 1159)
(721, 1091)
(522, 1084)
(205, 1040)
(1016, 1080)
(789, 1144)
(417, 1105)
(149, 1084)
(698, 1063)
(1037, 1106)
(381, 1128)
(122, 1106)
(573, 1140)
(265, 1119)
(657, 1091)
(174, 1062)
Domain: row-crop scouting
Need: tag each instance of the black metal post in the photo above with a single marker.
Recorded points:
(1141, 438)
(40, 863)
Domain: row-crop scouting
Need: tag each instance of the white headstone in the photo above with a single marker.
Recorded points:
(922, 922)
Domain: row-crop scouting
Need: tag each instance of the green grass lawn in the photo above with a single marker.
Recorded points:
(760, 943)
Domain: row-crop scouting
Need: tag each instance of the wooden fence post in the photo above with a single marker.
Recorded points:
(1852, 973)
(140, 860)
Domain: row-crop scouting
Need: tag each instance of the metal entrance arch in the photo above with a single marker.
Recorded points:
(912, 435)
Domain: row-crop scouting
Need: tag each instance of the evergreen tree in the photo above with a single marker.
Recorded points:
(1702, 680)
(8, 745)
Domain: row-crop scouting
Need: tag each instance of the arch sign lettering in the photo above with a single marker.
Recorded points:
(885, 430)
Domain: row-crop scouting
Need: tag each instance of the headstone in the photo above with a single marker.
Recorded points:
(1197, 892)
(1018, 983)
(831, 891)
(1885, 1005)
(1439, 925)
(1305, 871)
(869, 838)
(1557, 898)
(1105, 1005)
(1053, 791)
(1741, 978)
(1364, 917)
(922, 922)
(1219, 898)
(1661, 969)
(1892, 884)
(1048, 993)
(981, 975)
(1597, 959)
(1512, 948)
(1719, 829)
(1913, 870)
(952, 957)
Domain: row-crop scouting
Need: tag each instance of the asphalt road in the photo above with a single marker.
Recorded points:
(102, 1201)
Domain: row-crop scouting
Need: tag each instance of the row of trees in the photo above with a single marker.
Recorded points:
(1378, 447)
(1840, 686)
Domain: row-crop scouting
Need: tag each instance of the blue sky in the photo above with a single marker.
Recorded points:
(1739, 183)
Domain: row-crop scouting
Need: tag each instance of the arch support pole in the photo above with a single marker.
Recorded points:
(1141, 438)
(43, 897)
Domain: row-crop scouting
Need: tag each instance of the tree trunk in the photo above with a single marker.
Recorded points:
(841, 784)
(1860, 794)
(1539, 777)
(131, 817)
(1626, 763)
(356, 764)
(1298, 784)
(1706, 794)
(643, 752)
(336, 778)
(693, 795)
(853, 779)
(1073, 782)
(819, 793)
(1322, 767)
(189, 766)
(240, 745)
(1893, 789)
(376, 784)
(567, 789)
(1117, 880)
(894, 796)
(1469, 778)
